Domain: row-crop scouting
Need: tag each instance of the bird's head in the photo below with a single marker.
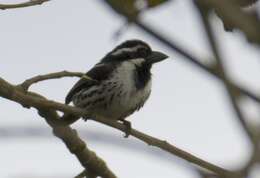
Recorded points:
(135, 51)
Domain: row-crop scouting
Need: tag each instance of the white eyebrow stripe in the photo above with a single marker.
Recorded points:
(122, 50)
(138, 61)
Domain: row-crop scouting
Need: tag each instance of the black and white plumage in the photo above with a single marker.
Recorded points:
(119, 84)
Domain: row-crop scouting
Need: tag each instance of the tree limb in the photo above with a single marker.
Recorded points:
(232, 15)
(213, 70)
(88, 159)
(234, 98)
(21, 5)
(27, 83)
(226, 81)
(30, 99)
(195, 61)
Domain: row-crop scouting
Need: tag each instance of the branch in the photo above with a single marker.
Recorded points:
(88, 159)
(232, 15)
(24, 4)
(234, 98)
(164, 145)
(27, 83)
(231, 93)
(195, 61)
(213, 70)
(30, 99)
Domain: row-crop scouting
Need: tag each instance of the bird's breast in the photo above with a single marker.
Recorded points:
(114, 98)
(131, 98)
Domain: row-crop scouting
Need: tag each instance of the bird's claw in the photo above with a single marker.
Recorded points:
(128, 128)
(85, 119)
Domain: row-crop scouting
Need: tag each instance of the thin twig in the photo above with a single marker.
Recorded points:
(27, 83)
(24, 4)
(164, 145)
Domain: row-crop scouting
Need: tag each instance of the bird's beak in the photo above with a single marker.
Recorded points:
(156, 56)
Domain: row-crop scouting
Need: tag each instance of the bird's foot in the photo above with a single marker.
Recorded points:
(128, 128)
(85, 119)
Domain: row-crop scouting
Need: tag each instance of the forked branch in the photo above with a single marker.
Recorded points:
(30, 99)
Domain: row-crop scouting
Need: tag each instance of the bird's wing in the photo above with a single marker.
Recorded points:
(93, 77)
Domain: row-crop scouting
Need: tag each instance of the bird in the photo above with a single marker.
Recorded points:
(118, 85)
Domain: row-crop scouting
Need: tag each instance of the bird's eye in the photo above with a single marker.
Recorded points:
(143, 52)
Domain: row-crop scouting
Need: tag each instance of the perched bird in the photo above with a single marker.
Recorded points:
(119, 84)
